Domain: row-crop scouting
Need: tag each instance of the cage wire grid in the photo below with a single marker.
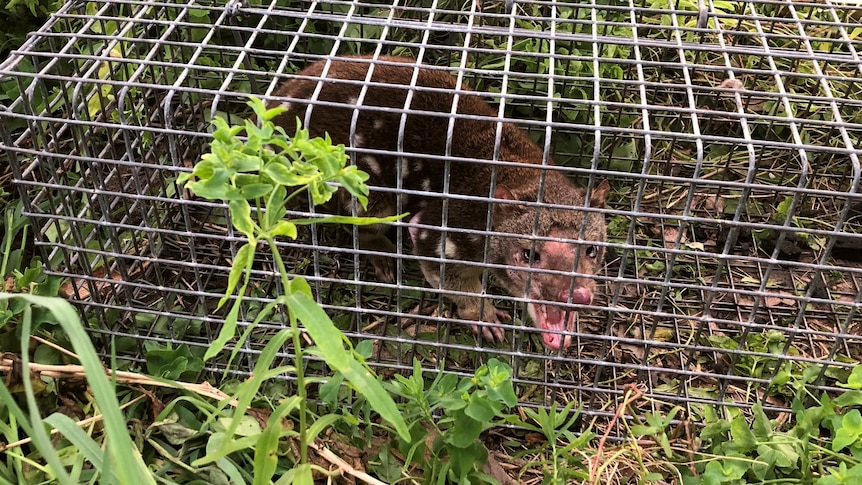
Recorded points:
(729, 131)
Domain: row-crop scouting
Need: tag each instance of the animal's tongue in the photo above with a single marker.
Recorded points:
(554, 318)
(549, 317)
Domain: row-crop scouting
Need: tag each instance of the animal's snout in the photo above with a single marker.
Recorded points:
(580, 296)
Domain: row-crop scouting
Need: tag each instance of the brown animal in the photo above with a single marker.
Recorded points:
(369, 121)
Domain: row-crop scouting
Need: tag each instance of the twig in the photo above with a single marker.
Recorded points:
(81, 424)
(125, 377)
(55, 346)
(343, 466)
(690, 448)
(636, 394)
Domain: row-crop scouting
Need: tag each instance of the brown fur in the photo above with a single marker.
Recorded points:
(426, 134)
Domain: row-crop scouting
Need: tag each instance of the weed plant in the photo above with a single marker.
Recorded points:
(433, 430)
(257, 177)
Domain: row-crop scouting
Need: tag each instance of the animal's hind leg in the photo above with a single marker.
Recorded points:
(372, 238)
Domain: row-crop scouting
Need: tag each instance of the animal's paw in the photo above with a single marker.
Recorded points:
(491, 315)
(384, 268)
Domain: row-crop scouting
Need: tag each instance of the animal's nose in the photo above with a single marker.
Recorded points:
(580, 296)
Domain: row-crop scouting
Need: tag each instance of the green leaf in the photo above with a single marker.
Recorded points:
(854, 380)
(284, 228)
(500, 385)
(356, 221)
(260, 111)
(480, 409)
(726, 470)
(852, 421)
(444, 385)
(276, 207)
(273, 112)
(783, 210)
(787, 455)
(762, 427)
(320, 425)
(248, 426)
(299, 285)
(642, 430)
(465, 462)
(245, 392)
(247, 164)
(329, 341)
(243, 261)
(170, 363)
(282, 174)
(266, 448)
(82, 441)
(224, 133)
(253, 191)
(328, 391)
(227, 332)
(303, 474)
(353, 180)
(211, 189)
(240, 213)
(743, 439)
(465, 431)
(124, 458)
(848, 433)
(263, 313)
(326, 336)
(849, 398)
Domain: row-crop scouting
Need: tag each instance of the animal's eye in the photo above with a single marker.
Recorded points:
(526, 255)
(592, 252)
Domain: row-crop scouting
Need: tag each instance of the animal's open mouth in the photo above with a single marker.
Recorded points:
(555, 319)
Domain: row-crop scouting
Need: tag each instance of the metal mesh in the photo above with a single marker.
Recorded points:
(729, 130)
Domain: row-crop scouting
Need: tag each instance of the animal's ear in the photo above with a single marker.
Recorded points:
(503, 210)
(503, 192)
(599, 197)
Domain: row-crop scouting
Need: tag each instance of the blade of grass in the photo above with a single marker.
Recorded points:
(266, 449)
(124, 457)
(329, 340)
(16, 418)
(40, 436)
(248, 389)
(85, 444)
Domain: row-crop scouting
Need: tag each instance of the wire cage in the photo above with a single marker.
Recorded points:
(729, 131)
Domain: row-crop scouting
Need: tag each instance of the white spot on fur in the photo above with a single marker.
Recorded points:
(433, 278)
(426, 185)
(358, 140)
(415, 232)
(451, 250)
(371, 164)
(405, 167)
(286, 105)
(352, 100)
(378, 124)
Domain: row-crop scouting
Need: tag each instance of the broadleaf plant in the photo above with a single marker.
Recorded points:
(257, 177)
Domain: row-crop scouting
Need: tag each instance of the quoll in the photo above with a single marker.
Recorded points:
(419, 160)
